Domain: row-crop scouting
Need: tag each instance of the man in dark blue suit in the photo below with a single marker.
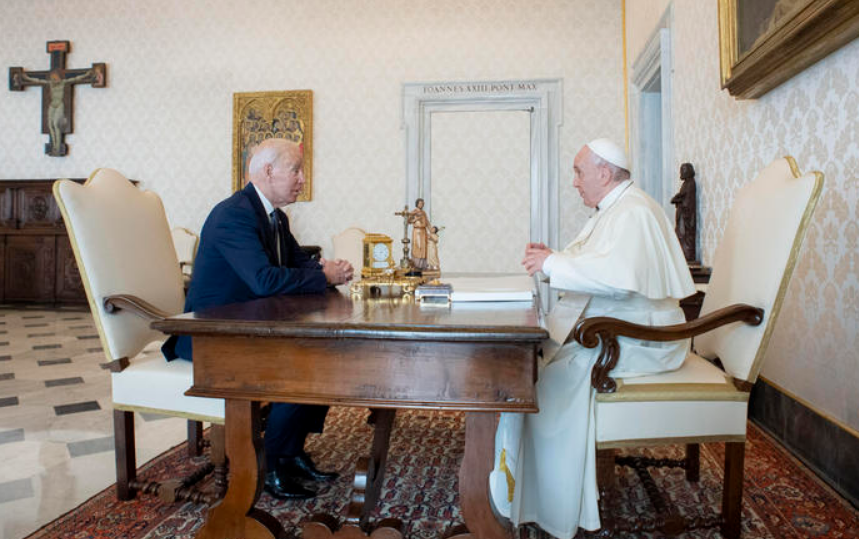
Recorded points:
(247, 252)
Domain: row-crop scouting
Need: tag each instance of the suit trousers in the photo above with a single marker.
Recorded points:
(287, 427)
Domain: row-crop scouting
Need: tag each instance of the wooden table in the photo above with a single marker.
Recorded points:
(384, 354)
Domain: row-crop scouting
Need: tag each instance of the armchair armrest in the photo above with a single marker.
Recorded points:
(591, 331)
(135, 305)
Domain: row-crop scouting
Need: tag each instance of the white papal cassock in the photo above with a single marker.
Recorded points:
(626, 263)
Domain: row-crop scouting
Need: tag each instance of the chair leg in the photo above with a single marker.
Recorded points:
(605, 468)
(195, 438)
(126, 460)
(693, 462)
(218, 457)
(606, 484)
(732, 493)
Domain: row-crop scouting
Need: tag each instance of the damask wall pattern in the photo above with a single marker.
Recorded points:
(813, 117)
(165, 116)
(484, 186)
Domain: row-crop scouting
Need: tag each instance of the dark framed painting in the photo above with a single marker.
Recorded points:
(763, 43)
(261, 115)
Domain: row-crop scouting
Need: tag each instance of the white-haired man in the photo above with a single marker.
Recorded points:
(247, 252)
(626, 263)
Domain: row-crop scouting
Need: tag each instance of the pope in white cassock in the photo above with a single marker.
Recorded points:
(626, 263)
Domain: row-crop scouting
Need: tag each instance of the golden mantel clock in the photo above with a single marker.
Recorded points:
(377, 254)
(380, 276)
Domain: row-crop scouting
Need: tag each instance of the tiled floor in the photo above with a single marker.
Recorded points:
(56, 421)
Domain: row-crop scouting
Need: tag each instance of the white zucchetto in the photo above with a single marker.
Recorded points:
(609, 151)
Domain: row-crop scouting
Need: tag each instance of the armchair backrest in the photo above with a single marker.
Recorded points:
(185, 243)
(122, 245)
(755, 260)
(348, 245)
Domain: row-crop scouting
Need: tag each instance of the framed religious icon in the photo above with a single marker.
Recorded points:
(261, 115)
(763, 43)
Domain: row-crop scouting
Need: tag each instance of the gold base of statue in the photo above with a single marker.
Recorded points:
(398, 282)
(386, 285)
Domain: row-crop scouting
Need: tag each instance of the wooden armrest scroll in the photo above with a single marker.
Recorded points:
(602, 329)
(117, 365)
(134, 305)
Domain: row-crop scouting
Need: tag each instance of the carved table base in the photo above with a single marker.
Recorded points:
(327, 527)
(477, 462)
(235, 516)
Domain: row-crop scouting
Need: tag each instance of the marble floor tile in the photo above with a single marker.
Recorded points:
(50, 463)
(19, 489)
(14, 435)
(64, 381)
(88, 447)
(8, 401)
(76, 407)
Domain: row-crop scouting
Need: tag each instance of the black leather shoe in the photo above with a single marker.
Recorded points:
(301, 467)
(286, 488)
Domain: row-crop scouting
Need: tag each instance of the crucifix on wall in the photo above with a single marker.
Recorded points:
(57, 92)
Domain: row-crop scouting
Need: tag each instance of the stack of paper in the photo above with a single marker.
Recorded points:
(501, 288)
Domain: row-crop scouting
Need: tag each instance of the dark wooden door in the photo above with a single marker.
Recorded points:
(30, 268)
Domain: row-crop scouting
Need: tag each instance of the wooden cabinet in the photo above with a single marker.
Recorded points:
(69, 287)
(30, 264)
(38, 264)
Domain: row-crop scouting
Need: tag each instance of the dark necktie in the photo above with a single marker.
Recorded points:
(275, 225)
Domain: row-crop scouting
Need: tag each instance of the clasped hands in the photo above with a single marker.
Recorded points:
(336, 271)
(535, 255)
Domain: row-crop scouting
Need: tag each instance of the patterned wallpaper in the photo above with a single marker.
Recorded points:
(480, 179)
(165, 117)
(815, 118)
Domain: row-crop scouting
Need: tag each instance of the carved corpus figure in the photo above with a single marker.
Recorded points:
(685, 216)
(57, 119)
(57, 96)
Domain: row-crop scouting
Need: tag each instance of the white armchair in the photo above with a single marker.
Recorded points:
(706, 401)
(348, 245)
(131, 274)
(185, 244)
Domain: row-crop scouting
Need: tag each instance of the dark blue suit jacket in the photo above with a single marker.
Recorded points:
(237, 261)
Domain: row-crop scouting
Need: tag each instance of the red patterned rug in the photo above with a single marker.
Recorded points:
(781, 498)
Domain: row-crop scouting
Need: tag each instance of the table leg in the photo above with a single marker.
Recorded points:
(369, 475)
(384, 423)
(235, 516)
(474, 478)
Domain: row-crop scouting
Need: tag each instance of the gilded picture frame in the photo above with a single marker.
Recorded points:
(763, 43)
(261, 115)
